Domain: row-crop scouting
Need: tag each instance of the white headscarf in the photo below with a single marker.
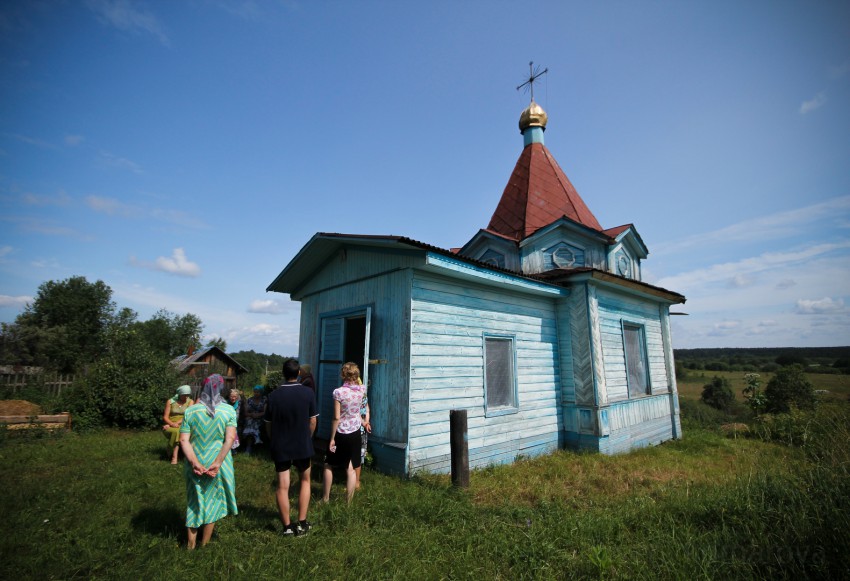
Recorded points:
(211, 395)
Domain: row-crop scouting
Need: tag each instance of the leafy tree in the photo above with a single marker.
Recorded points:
(170, 334)
(65, 326)
(718, 394)
(218, 342)
(789, 387)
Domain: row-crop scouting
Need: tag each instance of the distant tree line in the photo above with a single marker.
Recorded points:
(833, 360)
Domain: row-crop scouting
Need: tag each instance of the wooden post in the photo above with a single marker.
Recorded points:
(459, 447)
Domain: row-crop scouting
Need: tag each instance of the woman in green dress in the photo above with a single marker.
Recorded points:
(173, 417)
(206, 436)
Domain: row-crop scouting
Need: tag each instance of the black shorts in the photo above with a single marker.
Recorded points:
(285, 465)
(347, 450)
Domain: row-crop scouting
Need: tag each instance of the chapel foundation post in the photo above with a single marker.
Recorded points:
(459, 447)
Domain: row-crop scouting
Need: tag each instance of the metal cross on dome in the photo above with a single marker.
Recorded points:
(533, 75)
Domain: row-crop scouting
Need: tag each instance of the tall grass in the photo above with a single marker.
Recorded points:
(108, 505)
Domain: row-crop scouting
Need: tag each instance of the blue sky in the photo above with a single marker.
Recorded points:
(183, 152)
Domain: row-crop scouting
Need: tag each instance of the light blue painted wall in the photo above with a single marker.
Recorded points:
(358, 263)
(482, 243)
(388, 295)
(535, 251)
(448, 323)
(428, 331)
(614, 309)
(643, 420)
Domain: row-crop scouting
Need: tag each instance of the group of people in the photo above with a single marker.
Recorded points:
(206, 431)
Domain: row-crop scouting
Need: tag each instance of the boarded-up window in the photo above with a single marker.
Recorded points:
(499, 383)
(636, 362)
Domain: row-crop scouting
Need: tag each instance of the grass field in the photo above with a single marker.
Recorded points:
(838, 386)
(108, 505)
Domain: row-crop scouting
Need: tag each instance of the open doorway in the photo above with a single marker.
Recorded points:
(344, 337)
(355, 345)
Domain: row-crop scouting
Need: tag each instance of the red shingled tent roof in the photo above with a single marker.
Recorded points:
(538, 193)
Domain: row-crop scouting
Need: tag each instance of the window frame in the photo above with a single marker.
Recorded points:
(513, 406)
(640, 328)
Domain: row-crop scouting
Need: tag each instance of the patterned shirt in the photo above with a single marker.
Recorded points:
(349, 396)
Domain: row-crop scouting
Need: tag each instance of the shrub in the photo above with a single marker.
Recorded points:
(753, 394)
(273, 380)
(718, 394)
(792, 428)
(789, 387)
(697, 414)
(126, 389)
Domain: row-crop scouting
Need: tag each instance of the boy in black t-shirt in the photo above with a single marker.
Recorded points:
(290, 422)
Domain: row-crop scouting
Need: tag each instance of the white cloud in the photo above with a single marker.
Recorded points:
(826, 305)
(15, 302)
(74, 140)
(219, 320)
(745, 267)
(5, 251)
(740, 280)
(107, 159)
(771, 226)
(265, 338)
(815, 102)
(267, 306)
(178, 264)
(179, 218)
(125, 16)
(44, 227)
(113, 207)
(786, 283)
(60, 199)
(45, 263)
(30, 140)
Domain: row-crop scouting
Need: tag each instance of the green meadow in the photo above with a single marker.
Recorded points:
(718, 504)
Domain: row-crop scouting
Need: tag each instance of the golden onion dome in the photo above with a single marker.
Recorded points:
(533, 116)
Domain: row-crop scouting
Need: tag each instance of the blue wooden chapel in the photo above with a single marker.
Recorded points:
(539, 326)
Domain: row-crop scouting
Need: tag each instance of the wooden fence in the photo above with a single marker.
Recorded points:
(15, 380)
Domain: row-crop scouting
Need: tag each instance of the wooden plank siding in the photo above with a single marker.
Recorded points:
(382, 281)
(428, 327)
(637, 421)
(449, 320)
(614, 309)
(353, 264)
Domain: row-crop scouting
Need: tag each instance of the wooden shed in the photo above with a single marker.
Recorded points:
(198, 365)
(540, 327)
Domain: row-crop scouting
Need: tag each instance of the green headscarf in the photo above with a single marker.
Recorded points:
(182, 390)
